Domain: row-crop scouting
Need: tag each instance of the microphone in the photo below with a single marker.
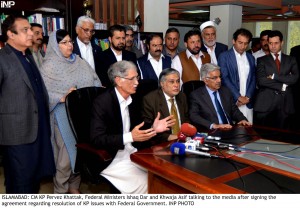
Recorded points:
(179, 149)
(186, 130)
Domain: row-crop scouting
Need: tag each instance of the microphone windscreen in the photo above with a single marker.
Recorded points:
(181, 136)
(188, 129)
(178, 148)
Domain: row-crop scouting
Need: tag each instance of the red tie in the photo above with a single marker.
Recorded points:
(277, 62)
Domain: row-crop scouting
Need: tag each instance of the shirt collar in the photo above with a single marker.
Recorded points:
(121, 99)
(189, 54)
(273, 54)
(238, 54)
(81, 44)
(151, 57)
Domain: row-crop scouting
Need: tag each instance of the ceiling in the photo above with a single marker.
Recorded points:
(253, 10)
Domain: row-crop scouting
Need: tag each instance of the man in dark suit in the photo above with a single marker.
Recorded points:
(83, 46)
(116, 52)
(158, 101)
(204, 111)
(24, 112)
(295, 52)
(116, 127)
(276, 75)
(210, 44)
(154, 62)
(238, 72)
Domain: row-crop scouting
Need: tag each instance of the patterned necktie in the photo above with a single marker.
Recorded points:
(220, 109)
(175, 128)
(277, 62)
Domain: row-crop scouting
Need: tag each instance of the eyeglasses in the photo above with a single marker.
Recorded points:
(214, 78)
(132, 78)
(171, 81)
(92, 32)
(66, 42)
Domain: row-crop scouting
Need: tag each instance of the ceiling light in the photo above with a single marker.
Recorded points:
(195, 11)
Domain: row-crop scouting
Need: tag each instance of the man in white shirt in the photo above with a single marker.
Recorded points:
(83, 46)
(238, 72)
(153, 62)
(264, 45)
(117, 127)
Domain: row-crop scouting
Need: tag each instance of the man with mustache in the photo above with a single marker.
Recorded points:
(171, 47)
(264, 50)
(37, 41)
(210, 44)
(152, 63)
(129, 41)
(212, 105)
(189, 62)
(116, 52)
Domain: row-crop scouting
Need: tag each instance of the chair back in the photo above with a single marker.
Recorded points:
(190, 86)
(79, 108)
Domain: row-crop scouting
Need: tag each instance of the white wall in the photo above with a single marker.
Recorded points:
(156, 15)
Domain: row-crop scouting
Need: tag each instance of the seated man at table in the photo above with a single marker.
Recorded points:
(212, 106)
(168, 100)
(117, 127)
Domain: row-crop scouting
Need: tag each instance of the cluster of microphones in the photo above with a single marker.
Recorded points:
(193, 142)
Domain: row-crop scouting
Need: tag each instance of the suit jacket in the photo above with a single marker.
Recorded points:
(18, 106)
(155, 102)
(220, 47)
(97, 51)
(108, 58)
(106, 123)
(230, 75)
(295, 51)
(202, 111)
(269, 88)
(146, 68)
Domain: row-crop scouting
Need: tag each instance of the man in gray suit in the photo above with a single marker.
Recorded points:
(24, 112)
(212, 105)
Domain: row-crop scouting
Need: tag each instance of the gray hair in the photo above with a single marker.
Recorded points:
(119, 69)
(127, 27)
(208, 67)
(166, 72)
(84, 19)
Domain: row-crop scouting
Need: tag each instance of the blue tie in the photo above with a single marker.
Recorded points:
(220, 109)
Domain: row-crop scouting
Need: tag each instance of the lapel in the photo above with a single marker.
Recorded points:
(112, 56)
(180, 107)
(76, 48)
(235, 71)
(208, 102)
(17, 65)
(116, 110)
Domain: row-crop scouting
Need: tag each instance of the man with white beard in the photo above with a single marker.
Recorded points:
(209, 37)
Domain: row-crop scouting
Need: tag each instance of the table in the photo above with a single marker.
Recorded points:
(169, 174)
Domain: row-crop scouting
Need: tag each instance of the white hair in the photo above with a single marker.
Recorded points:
(84, 19)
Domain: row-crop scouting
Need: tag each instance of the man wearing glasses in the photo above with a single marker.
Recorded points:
(83, 46)
(24, 112)
(117, 127)
(212, 105)
(168, 100)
